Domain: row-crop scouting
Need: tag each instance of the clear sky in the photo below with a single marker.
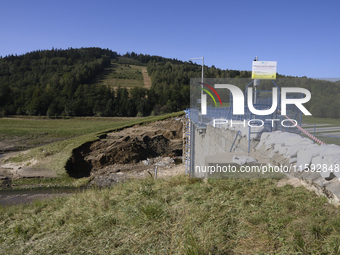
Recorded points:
(301, 35)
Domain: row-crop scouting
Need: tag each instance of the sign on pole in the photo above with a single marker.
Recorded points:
(264, 70)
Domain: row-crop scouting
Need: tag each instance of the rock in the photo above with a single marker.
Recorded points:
(165, 161)
(146, 162)
(105, 180)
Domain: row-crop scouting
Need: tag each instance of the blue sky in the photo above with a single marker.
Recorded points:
(302, 36)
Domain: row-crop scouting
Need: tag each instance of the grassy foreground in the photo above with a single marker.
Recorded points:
(178, 215)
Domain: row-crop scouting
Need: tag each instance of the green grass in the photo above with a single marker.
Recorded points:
(224, 104)
(71, 134)
(316, 120)
(27, 132)
(121, 75)
(317, 129)
(327, 140)
(178, 215)
(330, 123)
(127, 72)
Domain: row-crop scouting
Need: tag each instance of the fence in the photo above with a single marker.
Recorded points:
(256, 124)
(262, 101)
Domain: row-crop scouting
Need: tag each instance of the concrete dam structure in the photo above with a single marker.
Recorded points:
(220, 144)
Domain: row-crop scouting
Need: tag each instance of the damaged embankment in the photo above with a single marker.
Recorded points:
(49, 160)
(129, 145)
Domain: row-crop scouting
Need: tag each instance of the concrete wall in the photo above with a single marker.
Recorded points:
(214, 141)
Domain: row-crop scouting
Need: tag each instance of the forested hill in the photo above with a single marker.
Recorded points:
(58, 83)
(45, 82)
(171, 79)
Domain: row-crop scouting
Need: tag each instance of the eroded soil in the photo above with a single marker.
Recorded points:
(128, 146)
(137, 152)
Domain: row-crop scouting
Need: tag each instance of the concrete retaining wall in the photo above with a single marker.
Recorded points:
(213, 140)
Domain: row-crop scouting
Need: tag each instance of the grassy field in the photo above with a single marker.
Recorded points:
(320, 135)
(33, 131)
(315, 120)
(66, 134)
(224, 104)
(115, 75)
(178, 215)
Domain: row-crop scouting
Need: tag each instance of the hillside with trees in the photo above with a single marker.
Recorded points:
(59, 83)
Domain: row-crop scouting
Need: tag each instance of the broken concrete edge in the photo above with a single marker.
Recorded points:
(220, 141)
(311, 181)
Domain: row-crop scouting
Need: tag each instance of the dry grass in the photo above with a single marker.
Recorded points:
(146, 78)
(123, 75)
(178, 215)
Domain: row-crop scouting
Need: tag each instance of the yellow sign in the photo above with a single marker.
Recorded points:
(264, 70)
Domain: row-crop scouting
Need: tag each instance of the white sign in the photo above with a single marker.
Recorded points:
(264, 70)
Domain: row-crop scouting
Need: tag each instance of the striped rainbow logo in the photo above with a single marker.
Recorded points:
(209, 93)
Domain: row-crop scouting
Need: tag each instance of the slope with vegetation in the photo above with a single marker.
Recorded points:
(120, 75)
(177, 215)
(65, 82)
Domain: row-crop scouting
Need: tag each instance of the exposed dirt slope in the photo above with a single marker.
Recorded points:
(131, 145)
(146, 78)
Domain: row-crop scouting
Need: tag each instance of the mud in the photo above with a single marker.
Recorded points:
(128, 146)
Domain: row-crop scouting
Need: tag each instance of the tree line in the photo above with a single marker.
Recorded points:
(57, 82)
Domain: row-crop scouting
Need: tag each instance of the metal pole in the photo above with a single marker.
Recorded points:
(238, 132)
(201, 81)
(249, 140)
(202, 70)
(202, 86)
(255, 96)
(255, 85)
(155, 175)
(314, 132)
